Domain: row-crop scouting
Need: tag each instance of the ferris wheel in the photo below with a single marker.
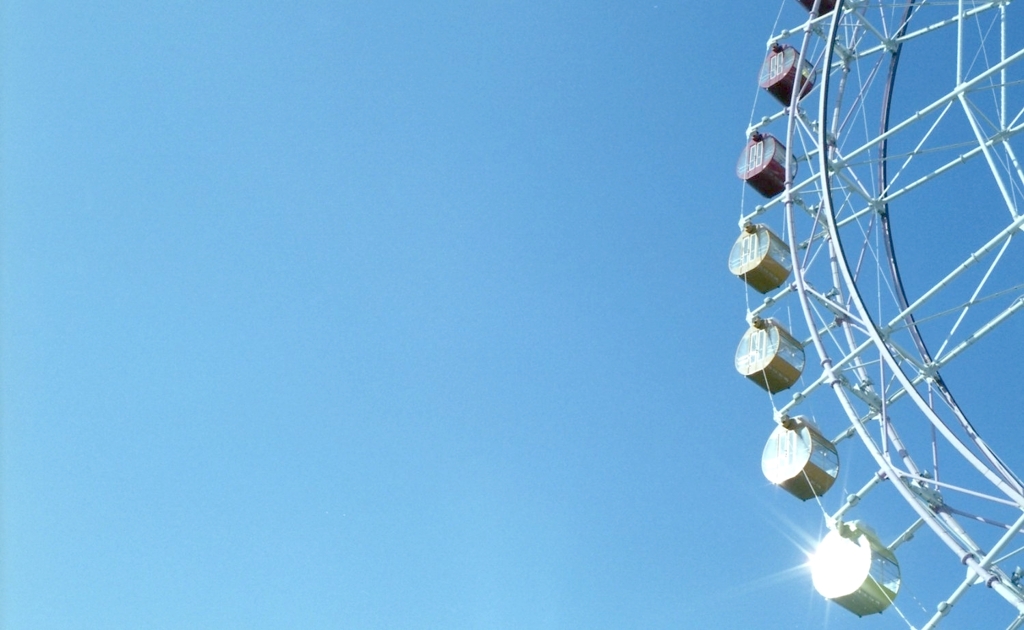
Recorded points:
(882, 246)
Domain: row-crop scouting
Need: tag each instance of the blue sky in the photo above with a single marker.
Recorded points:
(384, 315)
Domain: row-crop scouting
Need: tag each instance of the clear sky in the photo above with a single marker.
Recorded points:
(385, 314)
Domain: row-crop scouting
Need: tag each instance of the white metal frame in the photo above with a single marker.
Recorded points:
(834, 219)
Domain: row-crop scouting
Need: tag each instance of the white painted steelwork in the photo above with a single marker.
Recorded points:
(889, 331)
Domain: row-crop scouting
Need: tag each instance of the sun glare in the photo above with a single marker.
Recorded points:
(840, 565)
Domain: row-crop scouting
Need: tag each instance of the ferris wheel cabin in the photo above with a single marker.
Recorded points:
(826, 6)
(770, 356)
(855, 570)
(762, 164)
(760, 258)
(779, 73)
(800, 460)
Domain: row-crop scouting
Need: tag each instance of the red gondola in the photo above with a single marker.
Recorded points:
(762, 164)
(826, 6)
(778, 73)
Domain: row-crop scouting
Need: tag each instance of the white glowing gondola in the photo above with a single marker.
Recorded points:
(853, 569)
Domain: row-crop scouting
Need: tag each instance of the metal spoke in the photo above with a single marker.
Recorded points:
(864, 338)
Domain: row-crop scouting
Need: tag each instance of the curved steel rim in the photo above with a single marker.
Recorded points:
(934, 518)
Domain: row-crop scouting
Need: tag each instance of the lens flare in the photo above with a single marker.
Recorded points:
(840, 565)
(853, 569)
